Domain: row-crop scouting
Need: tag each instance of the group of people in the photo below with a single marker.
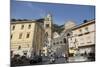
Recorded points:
(54, 57)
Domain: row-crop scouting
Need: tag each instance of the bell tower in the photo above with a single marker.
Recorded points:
(48, 28)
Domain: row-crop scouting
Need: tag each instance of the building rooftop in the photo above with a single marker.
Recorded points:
(27, 21)
(84, 24)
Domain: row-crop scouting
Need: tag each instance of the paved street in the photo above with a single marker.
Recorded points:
(46, 60)
(60, 60)
(77, 59)
(63, 60)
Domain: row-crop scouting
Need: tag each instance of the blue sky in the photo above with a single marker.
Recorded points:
(61, 13)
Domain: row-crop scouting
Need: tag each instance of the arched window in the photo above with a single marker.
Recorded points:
(60, 42)
(11, 36)
(28, 34)
(47, 25)
(20, 35)
(29, 26)
(68, 34)
(22, 27)
(13, 27)
(19, 47)
(64, 40)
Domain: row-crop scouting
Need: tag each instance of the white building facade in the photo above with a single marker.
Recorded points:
(26, 38)
(83, 38)
(78, 39)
